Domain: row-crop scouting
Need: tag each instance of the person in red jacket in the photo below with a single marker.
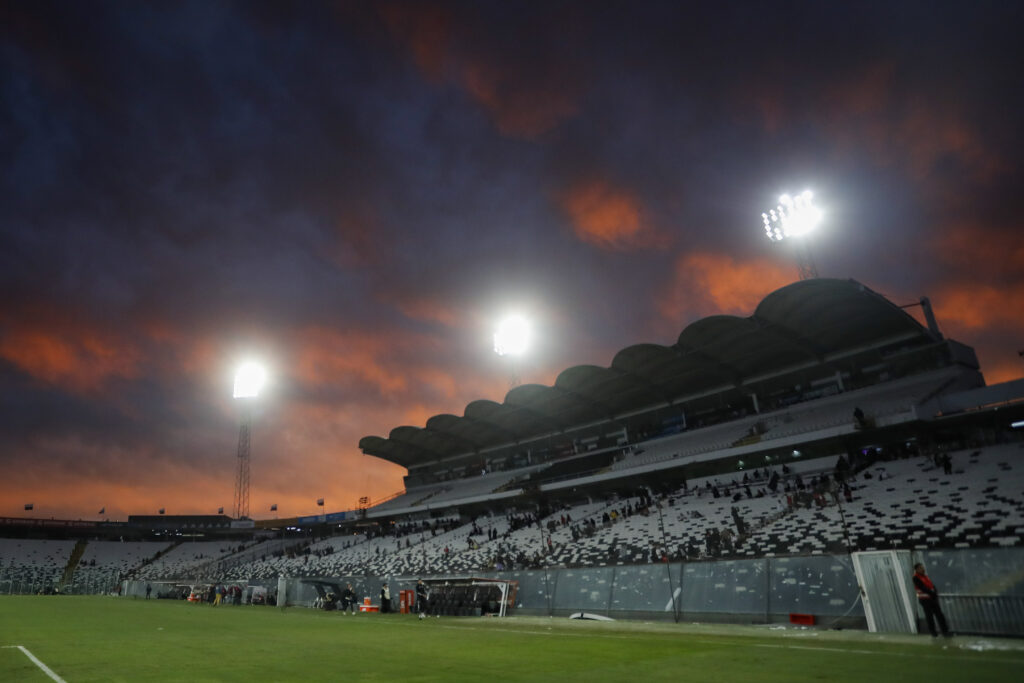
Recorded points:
(928, 597)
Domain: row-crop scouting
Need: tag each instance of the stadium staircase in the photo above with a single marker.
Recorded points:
(430, 495)
(73, 560)
(221, 566)
(748, 440)
(134, 572)
(937, 390)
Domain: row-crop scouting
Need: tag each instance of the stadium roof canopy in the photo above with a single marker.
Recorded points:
(806, 322)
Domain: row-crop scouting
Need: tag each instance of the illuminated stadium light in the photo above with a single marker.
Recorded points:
(249, 380)
(513, 336)
(793, 220)
(793, 217)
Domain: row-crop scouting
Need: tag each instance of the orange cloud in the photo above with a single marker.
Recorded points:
(51, 344)
(127, 481)
(976, 306)
(982, 315)
(608, 217)
(519, 105)
(966, 245)
(706, 283)
(186, 493)
(999, 368)
(873, 111)
(390, 364)
(987, 278)
(331, 358)
(84, 477)
(930, 133)
(359, 228)
(81, 360)
(523, 101)
(867, 93)
(770, 108)
(422, 308)
(425, 30)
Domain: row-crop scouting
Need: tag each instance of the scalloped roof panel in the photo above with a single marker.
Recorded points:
(806, 321)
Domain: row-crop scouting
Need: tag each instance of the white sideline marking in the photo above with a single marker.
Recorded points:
(779, 646)
(830, 649)
(35, 660)
(916, 655)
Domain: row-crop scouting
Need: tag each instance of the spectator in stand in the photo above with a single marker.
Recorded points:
(858, 416)
(928, 597)
(841, 469)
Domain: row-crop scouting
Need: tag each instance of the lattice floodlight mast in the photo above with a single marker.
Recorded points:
(249, 380)
(792, 220)
(242, 479)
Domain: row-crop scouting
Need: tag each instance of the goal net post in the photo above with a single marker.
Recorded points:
(142, 588)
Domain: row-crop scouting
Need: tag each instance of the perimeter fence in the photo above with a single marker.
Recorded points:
(982, 590)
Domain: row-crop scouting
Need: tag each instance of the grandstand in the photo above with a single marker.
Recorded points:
(32, 565)
(759, 452)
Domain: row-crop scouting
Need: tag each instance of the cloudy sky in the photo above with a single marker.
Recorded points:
(354, 191)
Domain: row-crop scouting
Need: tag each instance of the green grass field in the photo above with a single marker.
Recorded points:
(112, 639)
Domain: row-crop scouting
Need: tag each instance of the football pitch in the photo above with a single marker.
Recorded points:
(75, 639)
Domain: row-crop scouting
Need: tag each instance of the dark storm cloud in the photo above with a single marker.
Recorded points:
(355, 189)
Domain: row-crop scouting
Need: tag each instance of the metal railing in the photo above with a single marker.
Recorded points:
(993, 615)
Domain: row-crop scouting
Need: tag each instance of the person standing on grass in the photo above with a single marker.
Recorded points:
(385, 599)
(422, 598)
(928, 597)
(348, 599)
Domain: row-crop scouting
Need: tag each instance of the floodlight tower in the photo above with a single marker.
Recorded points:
(249, 379)
(512, 339)
(793, 220)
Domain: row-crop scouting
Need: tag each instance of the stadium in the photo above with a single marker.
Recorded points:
(780, 471)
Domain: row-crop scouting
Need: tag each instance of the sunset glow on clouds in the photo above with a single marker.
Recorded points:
(79, 364)
(525, 109)
(607, 217)
(355, 192)
(708, 284)
(522, 101)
